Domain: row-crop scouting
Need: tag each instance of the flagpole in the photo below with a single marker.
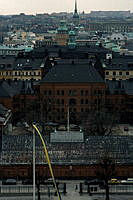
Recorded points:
(68, 125)
(34, 170)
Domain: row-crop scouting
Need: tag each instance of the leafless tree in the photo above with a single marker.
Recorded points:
(106, 169)
(99, 122)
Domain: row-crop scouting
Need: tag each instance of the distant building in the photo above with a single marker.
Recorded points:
(14, 50)
(111, 14)
(110, 27)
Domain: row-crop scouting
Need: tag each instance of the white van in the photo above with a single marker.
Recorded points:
(130, 180)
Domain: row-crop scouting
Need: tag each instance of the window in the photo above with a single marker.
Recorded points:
(75, 110)
(127, 73)
(82, 101)
(120, 73)
(45, 92)
(86, 92)
(72, 92)
(58, 101)
(62, 101)
(95, 101)
(82, 109)
(86, 101)
(58, 92)
(50, 118)
(87, 109)
(114, 73)
(116, 92)
(62, 92)
(107, 101)
(107, 73)
(82, 92)
(122, 101)
(72, 101)
(49, 92)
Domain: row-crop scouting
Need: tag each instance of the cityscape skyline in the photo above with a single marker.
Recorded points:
(43, 6)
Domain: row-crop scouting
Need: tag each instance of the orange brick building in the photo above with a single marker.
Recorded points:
(73, 85)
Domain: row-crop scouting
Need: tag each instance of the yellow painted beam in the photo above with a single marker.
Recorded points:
(48, 160)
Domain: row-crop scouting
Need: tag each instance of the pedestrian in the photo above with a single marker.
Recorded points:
(76, 187)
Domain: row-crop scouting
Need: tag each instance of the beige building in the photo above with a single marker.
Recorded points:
(21, 69)
(119, 68)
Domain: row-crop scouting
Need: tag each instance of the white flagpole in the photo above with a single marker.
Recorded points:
(68, 128)
(34, 170)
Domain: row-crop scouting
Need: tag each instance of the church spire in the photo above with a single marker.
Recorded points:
(75, 11)
(75, 15)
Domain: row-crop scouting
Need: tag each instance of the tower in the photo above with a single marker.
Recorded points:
(75, 11)
(75, 15)
(62, 34)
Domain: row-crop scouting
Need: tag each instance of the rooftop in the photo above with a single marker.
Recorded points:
(73, 72)
(18, 149)
(120, 63)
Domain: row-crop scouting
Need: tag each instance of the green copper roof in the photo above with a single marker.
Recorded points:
(72, 33)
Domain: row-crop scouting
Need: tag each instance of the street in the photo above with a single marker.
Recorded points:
(72, 188)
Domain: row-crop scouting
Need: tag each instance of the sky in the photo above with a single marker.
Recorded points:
(50, 6)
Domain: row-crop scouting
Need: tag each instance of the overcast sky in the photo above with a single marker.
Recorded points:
(49, 6)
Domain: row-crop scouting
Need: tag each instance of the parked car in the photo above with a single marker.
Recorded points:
(9, 181)
(27, 182)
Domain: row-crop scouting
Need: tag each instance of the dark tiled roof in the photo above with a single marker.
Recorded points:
(3, 110)
(119, 147)
(120, 63)
(7, 90)
(10, 62)
(72, 73)
(27, 64)
(12, 88)
(66, 52)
